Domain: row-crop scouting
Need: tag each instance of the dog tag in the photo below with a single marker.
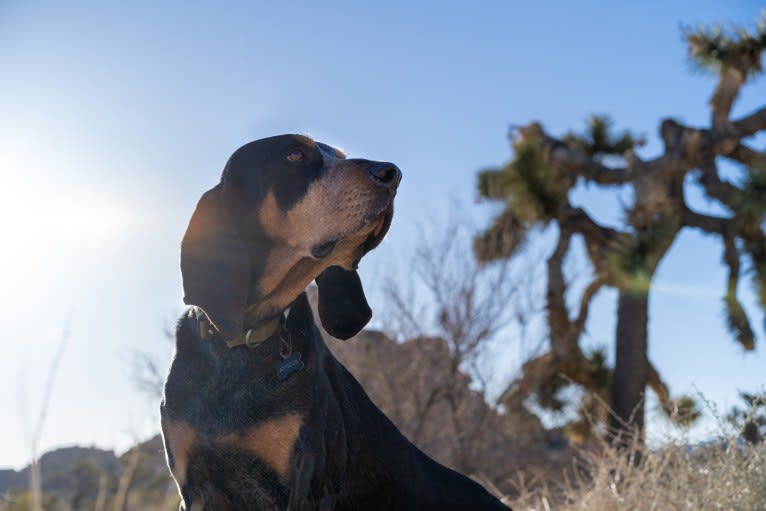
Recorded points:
(290, 365)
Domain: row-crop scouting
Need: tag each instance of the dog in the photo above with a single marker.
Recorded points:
(256, 412)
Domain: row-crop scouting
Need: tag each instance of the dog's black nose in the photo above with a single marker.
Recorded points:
(385, 174)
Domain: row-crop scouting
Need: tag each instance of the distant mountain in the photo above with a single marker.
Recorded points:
(12, 480)
(56, 464)
(76, 478)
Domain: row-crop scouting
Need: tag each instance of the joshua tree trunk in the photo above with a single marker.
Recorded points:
(631, 365)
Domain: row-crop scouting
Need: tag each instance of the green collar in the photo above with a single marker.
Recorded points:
(256, 336)
(252, 338)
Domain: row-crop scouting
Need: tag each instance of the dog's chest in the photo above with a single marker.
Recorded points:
(228, 478)
(230, 427)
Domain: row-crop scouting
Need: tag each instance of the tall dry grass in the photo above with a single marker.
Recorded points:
(726, 475)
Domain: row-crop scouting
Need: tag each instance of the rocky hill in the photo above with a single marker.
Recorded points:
(87, 478)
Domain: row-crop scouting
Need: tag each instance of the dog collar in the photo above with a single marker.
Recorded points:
(291, 361)
(256, 336)
(252, 338)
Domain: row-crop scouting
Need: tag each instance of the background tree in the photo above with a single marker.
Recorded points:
(750, 420)
(535, 187)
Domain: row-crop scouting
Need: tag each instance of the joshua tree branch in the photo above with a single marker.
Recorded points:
(575, 162)
(751, 123)
(579, 221)
(746, 155)
(681, 143)
(709, 224)
(587, 296)
(739, 323)
(564, 332)
(723, 191)
(731, 258)
(558, 315)
(729, 84)
(657, 385)
(597, 237)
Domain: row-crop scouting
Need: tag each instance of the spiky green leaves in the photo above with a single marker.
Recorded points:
(491, 184)
(534, 191)
(532, 188)
(547, 393)
(750, 420)
(595, 376)
(506, 234)
(537, 191)
(738, 323)
(682, 411)
(756, 249)
(757, 252)
(599, 373)
(600, 139)
(715, 49)
(750, 201)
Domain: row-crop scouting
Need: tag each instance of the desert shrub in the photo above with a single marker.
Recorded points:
(723, 475)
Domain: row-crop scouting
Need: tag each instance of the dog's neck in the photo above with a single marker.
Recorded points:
(280, 279)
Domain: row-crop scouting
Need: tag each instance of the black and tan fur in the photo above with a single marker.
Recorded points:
(288, 210)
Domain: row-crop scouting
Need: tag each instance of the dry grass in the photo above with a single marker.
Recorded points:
(724, 476)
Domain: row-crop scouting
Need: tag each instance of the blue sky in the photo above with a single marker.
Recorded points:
(117, 116)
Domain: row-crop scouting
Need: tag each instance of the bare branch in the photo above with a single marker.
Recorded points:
(147, 375)
(49, 385)
(34, 476)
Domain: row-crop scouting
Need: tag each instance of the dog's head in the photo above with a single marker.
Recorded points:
(286, 211)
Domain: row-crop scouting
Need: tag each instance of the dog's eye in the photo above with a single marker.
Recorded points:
(295, 155)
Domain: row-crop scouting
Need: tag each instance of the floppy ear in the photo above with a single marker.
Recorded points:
(343, 308)
(215, 267)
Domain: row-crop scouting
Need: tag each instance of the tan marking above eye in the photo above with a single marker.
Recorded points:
(295, 155)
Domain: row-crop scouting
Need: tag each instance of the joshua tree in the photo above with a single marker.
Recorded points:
(750, 420)
(535, 187)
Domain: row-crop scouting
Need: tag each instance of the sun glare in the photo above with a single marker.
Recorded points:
(50, 220)
(33, 214)
(36, 225)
